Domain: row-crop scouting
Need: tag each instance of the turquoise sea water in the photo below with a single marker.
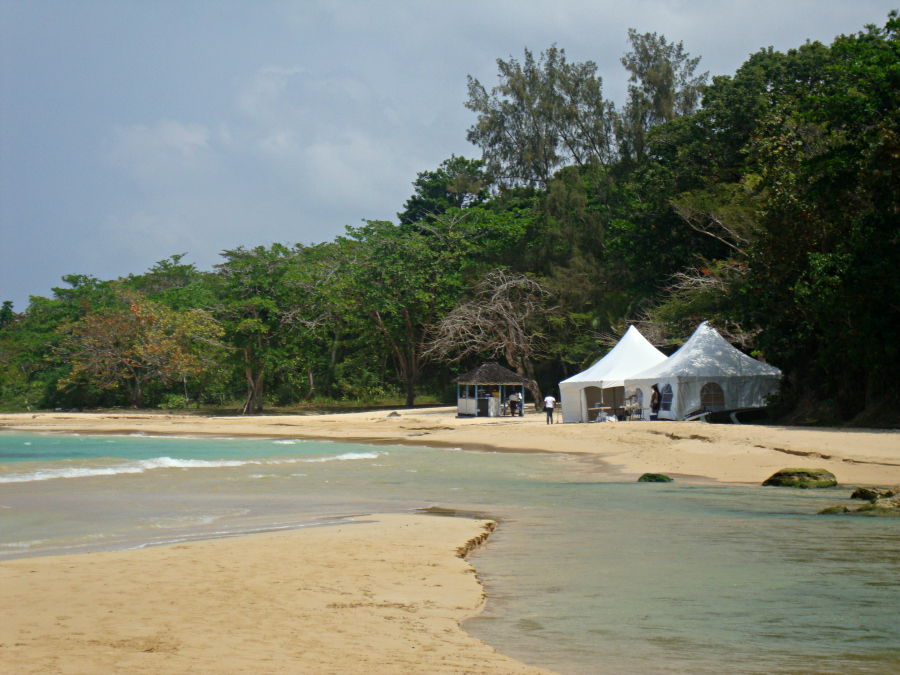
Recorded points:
(586, 574)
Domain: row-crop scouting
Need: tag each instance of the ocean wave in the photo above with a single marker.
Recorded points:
(143, 465)
(345, 456)
(129, 467)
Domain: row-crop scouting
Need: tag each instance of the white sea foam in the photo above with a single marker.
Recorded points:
(127, 467)
(165, 463)
(22, 544)
(344, 457)
(182, 521)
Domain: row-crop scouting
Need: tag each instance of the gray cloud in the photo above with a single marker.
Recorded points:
(131, 131)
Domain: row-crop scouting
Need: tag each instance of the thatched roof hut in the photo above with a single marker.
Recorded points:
(484, 392)
(491, 373)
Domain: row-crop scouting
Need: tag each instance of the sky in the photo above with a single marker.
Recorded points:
(132, 131)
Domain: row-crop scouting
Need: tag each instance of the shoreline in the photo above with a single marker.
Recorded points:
(384, 595)
(693, 451)
(377, 594)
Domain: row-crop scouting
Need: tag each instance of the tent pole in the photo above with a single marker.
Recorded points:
(584, 406)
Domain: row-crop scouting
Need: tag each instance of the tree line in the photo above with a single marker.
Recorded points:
(764, 201)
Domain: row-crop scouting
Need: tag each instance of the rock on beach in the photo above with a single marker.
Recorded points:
(654, 478)
(881, 502)
(802, 478)
(884, 506)
(868, 494)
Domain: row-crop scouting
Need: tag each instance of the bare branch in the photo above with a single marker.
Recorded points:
(502, 319)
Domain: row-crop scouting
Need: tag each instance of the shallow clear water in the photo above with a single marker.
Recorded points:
(644, 578)
(585, 574)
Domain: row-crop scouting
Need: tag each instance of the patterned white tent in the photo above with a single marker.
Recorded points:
(604, 382)
(707, 373)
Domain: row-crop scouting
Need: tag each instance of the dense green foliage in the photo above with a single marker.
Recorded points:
(765, 202)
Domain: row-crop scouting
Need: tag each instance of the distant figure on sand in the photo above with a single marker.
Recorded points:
(515, 404)
(654, 402)
(549, 404)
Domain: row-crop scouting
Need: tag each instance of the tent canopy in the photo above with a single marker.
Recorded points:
(708, 360)
(632, 354)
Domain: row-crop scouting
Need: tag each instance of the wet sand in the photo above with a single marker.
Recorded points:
(726, 453)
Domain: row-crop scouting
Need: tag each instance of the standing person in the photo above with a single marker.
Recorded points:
(654, 402)
(549, 404)
(515, 405)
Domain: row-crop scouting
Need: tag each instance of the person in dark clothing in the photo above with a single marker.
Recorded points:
(655, 400)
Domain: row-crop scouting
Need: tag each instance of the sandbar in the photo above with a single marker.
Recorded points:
(383, 595)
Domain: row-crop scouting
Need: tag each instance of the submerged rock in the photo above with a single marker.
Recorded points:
(868, 494)
(889, 506)
(802, 478)
(880, 506)
(834, 511)
(654, 478)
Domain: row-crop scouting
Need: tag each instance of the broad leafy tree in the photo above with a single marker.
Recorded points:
(258, 305)
(135, 344)
(457, 183)
(405, 281)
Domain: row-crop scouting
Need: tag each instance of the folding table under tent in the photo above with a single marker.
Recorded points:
(706, 374)
(603, 384)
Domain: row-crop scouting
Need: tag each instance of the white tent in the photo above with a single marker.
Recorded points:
(707, 373)
(604, 382)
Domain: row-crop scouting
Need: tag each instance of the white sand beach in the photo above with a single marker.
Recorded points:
(726, 453)
(384, 595)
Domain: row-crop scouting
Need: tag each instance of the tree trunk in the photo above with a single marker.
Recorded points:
(312, 385)
(410, 392)
(533, 386)
(332, 364)
(138, 395)
(245, 406)
(253, 402)
(411, 377)
(259, 392)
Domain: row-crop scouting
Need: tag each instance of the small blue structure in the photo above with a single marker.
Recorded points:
(482, 392)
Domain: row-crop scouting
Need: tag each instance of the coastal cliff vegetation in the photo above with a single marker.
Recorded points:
(765, 201)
